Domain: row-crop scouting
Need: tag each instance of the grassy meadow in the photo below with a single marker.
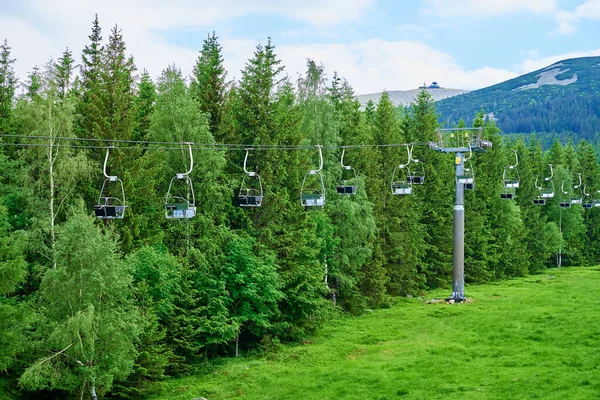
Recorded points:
(531, 338)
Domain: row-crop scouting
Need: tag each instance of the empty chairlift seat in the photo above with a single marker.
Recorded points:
(312, 192)
(251, 190)
(180, 200)
(348, 181)
(111, 202)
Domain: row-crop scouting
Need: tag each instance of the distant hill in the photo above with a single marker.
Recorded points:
(406, 97)
(562, 99)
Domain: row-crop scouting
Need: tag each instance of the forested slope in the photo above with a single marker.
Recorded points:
(110, 307)
(563, 98)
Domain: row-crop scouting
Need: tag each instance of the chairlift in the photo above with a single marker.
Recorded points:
(511, 180)
(588, 201)
(251, 190)
(546, 188)
(180, 201)
(312, 194)
(565, 201)
(417, 175)
(596, 201)
(400, 183)
(348, 182)
(109, 206)
(577, 199)
(467, 178)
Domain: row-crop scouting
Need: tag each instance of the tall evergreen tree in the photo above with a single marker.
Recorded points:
(91, 120)
(144, 107)
(436, 197)
(117, 89)
(64, 73)
(208, 86)
(8, 81)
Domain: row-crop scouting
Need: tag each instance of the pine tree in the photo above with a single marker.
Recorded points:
(144, 107)
(34, 83)
(64, 73)
(117, 89)
(208, 86)
(91, 121)
(436, 197)
(12, 274)
(8, 82)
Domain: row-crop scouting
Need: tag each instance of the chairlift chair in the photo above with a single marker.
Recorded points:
(348, 182)
(468, 176)
(109, 206)
(546, 188)
(596, 201)
(417, 175)
(588, 201)
(565, 201)
(251, 190)
(400, 184)
(577, 199)
(511, 180)
(180, 201)
(312, 194)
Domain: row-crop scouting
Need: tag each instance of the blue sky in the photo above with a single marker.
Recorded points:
(375, 44)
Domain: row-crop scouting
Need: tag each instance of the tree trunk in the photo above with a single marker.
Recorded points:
(93, 392)
(237, 345)
(52, 192)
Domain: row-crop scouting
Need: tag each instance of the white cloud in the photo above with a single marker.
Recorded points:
(67, 23)
(567, 20)
(533, 64)
(566, 23)
(589, 9)
(373, 65)
(412, 29)
(487, 8)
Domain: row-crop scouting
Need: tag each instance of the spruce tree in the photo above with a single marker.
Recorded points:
(64, 73)
(8, 82)
(12, 274)
(144, 107)
(436, 197)
(117, 89)
(208, 86)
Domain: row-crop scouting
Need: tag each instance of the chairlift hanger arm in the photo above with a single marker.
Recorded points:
(104, 168)
(551, 173)
(470, 154)
(245, 161)
(314, 171)
(580, 182)
(517, 160)
(191, 160)
(342, 160)
(409, 157)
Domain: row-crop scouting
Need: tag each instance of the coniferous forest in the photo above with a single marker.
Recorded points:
(109, 308)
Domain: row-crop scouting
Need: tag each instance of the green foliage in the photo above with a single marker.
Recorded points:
(12, 274)
(87, 325)
(565, 111)
(208, 82)
(8, 82)
(517, 339)
(118, 306)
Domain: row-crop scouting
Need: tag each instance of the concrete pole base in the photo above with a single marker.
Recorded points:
(457, 297)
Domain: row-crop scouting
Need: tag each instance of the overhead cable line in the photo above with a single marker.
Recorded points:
(148, 145)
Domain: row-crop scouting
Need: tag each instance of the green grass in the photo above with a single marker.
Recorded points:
(531, 338)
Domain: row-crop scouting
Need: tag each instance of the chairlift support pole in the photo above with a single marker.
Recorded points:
(458, 263)
(459, 146)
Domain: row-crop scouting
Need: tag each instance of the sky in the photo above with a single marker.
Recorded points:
(375, 44)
